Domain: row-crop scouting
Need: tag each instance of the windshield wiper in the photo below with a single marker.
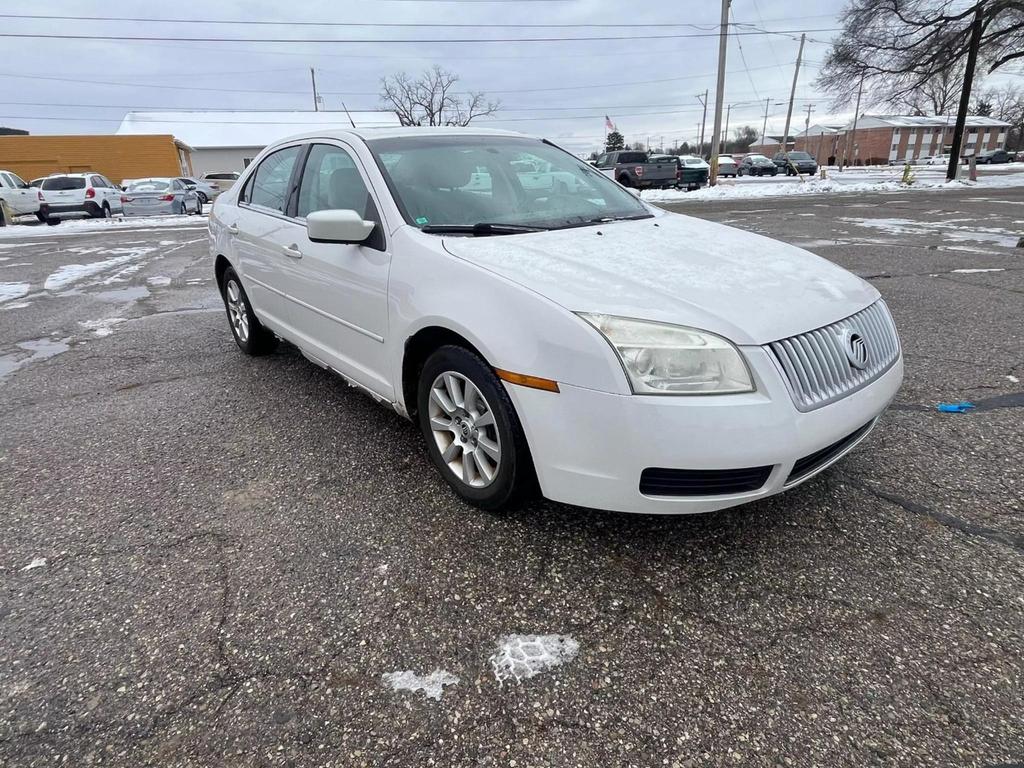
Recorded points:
(480, 229)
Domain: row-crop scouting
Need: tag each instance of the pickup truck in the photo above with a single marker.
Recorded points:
(18, 198)
(632, 168)
(691, 172)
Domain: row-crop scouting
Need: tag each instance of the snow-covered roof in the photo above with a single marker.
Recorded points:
(917, 121)
(819, 129)
(207, 130)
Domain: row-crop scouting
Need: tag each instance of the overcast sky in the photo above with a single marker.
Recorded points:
(560, 90)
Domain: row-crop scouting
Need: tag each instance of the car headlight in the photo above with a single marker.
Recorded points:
(662, 359)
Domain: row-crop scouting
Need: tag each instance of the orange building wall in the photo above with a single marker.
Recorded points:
(116, 157)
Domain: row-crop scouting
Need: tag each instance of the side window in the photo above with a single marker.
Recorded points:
(17, 181)
(96, 181)
(602, 161)
(5, 180)
(270, 184)
(331, 181)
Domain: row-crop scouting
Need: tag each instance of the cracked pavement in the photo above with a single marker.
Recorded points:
(238, 549)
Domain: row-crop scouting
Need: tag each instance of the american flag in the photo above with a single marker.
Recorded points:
(608, 123)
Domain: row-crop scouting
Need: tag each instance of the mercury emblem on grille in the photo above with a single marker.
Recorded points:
(856, 348)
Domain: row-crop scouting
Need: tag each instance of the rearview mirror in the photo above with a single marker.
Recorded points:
(338, 226)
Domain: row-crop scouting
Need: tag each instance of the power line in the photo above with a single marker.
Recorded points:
(743, 58)
(383, 24)
(379, 41)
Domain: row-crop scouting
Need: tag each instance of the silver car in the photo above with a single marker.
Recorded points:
(154, 197)
(206, 191)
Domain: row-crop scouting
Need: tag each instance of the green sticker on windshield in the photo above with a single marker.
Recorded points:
(422, 220)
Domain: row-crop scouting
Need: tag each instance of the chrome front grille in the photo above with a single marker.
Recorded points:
(817, 367)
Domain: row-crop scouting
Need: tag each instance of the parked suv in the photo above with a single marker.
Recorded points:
(78, 194)
(611, 353)
(757, 165)
(19, 198)
(798, 162)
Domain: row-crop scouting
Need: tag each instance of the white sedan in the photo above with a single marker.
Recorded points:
(582, 343)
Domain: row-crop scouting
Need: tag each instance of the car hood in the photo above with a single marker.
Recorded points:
(676, 269)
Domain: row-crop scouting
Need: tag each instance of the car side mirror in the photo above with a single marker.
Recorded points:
(338, 226)
(190, 187)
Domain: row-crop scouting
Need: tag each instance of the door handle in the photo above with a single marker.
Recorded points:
(232, 229)
(292, 252)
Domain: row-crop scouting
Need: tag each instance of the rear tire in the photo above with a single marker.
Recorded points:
(202, 200)
(473, 433)
(249, 333)
(181, 209)
(624, 181)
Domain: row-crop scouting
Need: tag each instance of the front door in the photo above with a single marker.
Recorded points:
(339, 291)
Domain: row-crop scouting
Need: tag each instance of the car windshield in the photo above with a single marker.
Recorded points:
(222, 176)
(693, 161)
(758, 159)
(149, 185)
(632, 157)
(467, 181)
(62, 183)
(799, 156)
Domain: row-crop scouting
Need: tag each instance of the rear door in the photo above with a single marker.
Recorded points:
(257, 223)
(338, 291)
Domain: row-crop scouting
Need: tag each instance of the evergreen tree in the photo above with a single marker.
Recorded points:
(614, 142)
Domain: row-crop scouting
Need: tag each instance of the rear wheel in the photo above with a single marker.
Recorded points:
(202, 199)
(473, 433)
(250, 334)
(624, 180)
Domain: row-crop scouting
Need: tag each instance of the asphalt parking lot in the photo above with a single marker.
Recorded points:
(237, 550)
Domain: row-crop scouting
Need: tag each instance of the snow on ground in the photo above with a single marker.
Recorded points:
(848, 182)
(72, 273)
(38, 349)
(103, 226)
(950, 229)
(432, 685)
(9, 291)
(37, 562)
(520, 657)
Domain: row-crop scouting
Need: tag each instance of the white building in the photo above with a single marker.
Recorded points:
(228, 141)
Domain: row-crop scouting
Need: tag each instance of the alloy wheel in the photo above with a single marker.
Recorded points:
(237, 310)
(463, 426)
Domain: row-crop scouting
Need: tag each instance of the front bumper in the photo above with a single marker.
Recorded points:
(589, 448)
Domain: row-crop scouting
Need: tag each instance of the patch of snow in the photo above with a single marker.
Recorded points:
(103, 327)
(945, 229)
(159, 279)
(432, 685)
(521, 657)
(73, 273)
(104, 226)
(10, 291)
(18, 305)
(40, 349)
(972, 271)
(847, 182)
(37, 562)
(1013, 379)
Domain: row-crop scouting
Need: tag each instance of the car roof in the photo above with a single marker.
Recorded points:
(369, 134)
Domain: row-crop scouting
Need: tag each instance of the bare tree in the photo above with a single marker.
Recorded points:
(431, 99)
(937, 96)
(903, 48)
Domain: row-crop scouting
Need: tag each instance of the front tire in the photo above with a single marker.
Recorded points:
(473, 433)
(249, 333)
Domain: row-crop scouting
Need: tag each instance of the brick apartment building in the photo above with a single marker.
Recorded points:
(881, 139)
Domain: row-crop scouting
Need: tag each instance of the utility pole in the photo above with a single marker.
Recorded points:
(807, 121)
(316, 97)
(725, 136)
(700, 138)
(704, 103)
(965, 94)
(792, 96)
(723, 40)
(764, 126)
(851, 138)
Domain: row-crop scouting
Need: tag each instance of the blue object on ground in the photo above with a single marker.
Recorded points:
(962, 407)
